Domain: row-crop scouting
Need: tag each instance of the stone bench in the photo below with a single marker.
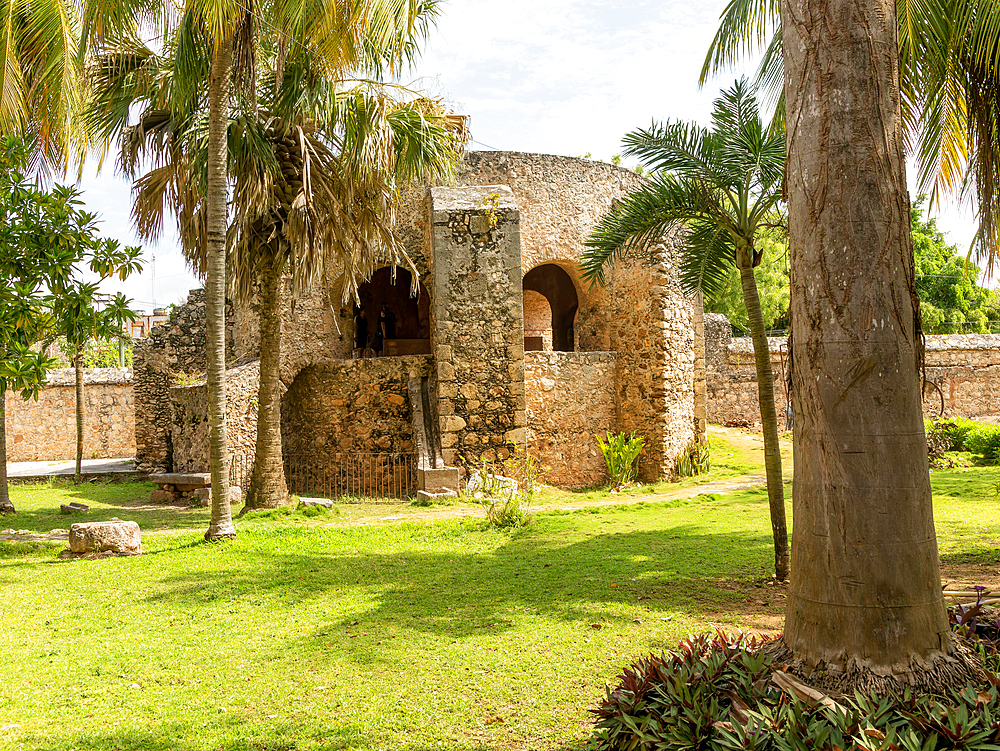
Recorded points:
(177, 487)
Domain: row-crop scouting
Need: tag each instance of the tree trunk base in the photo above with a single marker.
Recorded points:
(7, 508)
(223, 533)
(933, 675)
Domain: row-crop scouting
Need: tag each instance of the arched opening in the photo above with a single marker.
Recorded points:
(537, 322)
(556, 286)
(407, 319)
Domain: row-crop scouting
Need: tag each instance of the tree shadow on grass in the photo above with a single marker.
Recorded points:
(457, 594)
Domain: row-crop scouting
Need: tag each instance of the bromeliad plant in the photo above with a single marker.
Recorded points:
(719, 693)
(620, 455)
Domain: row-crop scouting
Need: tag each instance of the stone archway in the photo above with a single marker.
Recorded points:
(555, 285)
(537, 322)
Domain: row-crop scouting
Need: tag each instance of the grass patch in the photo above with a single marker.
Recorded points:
(366, 630)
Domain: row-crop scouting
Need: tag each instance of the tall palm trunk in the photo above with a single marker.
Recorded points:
(865, 606)
(6, 507)
(267, 483)
(80, 412)
(768, 421)
(221, 525)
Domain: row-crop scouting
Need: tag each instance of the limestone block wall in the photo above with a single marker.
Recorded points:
(173, 350)
(476, 322)
(189, 422)
(359, 406)
(653, 335)
(46, 430)
(966, 369)
(570, 399)
(560, 200)
(731, 382)
(312, 330)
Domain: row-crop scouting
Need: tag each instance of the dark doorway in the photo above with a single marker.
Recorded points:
(412, 314)
(557, 287)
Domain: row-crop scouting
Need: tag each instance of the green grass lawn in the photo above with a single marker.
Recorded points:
(345, 632)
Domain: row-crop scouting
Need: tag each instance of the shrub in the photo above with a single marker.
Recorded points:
(506, 488)
(985, 441)
(695, 460)
(620, 454)
(716, 694)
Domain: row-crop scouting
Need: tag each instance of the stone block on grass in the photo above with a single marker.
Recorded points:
(115, 537)
(324, 502)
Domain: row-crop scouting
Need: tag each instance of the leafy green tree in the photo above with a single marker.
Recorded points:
(45, 242)
(724, 186)
(78, 316)
(951, 299)
(772, 283)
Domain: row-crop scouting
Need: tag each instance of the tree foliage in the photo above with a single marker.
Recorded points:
(46, 242)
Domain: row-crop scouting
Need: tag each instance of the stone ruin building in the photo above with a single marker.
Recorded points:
(503, 345)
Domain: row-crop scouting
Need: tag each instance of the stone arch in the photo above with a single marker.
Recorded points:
(557, 286)
(392, 288)
(537, 322)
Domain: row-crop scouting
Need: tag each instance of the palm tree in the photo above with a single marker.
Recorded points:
(316, 168)
(724, 186)
(949, 54)
(340, 38)
(41, 88)
(865, 608)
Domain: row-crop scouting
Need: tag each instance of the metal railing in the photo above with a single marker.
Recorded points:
(345, 477)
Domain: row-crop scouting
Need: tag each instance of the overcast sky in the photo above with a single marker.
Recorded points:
(553, 76)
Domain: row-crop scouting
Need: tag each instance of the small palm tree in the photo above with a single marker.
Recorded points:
(723, 185)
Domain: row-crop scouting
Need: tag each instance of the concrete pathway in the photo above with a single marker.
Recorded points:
(22, 470)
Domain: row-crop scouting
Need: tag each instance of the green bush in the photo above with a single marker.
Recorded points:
(985, 441)
(696, 459)
(620, 454)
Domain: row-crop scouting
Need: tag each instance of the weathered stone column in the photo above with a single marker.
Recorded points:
(700, 392)
(477, 327)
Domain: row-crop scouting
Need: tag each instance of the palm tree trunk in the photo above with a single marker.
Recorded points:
(6, 507)
(768, 421)
(221, 525)
(80, 417)
(267, 482)
(865, 607)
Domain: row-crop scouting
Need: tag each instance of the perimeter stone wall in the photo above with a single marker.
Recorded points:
(173, 351)
(46, 430)
(964, 370)
(571, 400)
(189, 422)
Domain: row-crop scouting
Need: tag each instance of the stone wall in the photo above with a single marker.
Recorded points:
(477, 330)
(653, 335)
(189, 422)
(46, 430)
(358, 406)
(731, 382)
(174, 350)
(965, 371)
(571, 399)
(560, 200)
